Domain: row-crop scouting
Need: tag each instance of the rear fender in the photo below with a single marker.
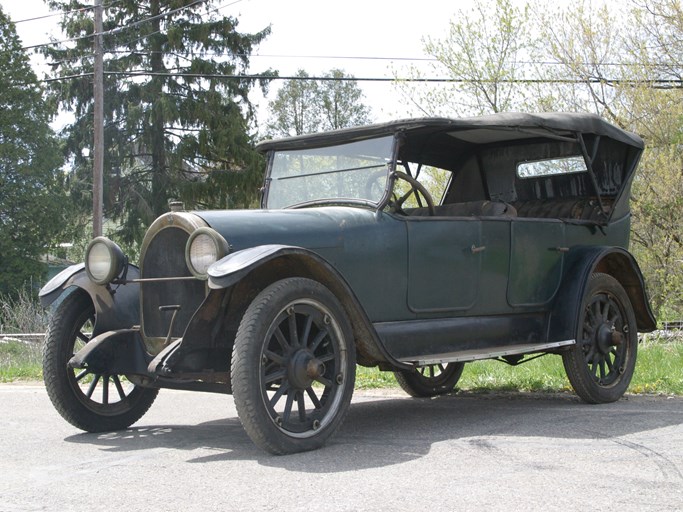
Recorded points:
(581, 263)
(116, 306)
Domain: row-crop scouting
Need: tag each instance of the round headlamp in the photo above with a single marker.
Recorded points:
(104, 260)
(204, 248)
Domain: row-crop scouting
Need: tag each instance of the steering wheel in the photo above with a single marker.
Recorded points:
(415, 188)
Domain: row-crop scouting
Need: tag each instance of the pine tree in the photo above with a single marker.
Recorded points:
(177, 114)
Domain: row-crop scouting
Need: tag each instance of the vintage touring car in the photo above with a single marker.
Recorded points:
(413, 246)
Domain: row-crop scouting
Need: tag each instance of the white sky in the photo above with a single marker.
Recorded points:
(389, 29)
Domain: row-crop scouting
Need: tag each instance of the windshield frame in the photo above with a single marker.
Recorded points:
(338, 201)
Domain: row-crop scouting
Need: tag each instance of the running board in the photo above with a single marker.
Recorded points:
(488, 353)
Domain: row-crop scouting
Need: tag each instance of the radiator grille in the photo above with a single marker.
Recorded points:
(165, 257)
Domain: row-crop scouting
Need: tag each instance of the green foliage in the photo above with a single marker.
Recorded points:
(341, 102)
(294, 111)
(175, 126)
(32, 202)
(308, 106)
(481, 54)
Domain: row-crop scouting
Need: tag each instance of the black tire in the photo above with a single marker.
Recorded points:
(601, 364)
(89, 401)
(295, 333)
(430, 380)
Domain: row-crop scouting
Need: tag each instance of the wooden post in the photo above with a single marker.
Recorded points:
(98, 125)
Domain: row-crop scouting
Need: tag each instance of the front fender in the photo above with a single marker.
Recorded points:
(55, 286)
(116, 306)
(231, 269)
(298, 261)
(581, 263)
(119, 352)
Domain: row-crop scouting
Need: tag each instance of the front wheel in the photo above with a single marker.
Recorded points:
(293, 366)
(601, 364)
(430, 380)
(94, 402)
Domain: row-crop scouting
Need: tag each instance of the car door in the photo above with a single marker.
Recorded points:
(537, 248)
(444, 259)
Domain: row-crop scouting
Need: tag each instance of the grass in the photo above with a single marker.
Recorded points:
(22, 313)
(659, 370)
(19, 360)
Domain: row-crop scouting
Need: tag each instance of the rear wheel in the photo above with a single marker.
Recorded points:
(94, 402)
(293, 366)
(601, 364)
(430, 380)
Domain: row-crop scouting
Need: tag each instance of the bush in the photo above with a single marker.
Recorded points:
(22, 314)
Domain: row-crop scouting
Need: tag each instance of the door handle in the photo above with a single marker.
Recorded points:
(476, 249)
(562, 249)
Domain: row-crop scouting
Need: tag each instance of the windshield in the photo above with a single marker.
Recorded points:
(357, 171)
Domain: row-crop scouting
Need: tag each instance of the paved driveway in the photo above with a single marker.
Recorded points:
(467, 452)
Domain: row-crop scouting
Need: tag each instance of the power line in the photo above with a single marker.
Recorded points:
(63, 13)
(151, 18)
(126, 27)
(159, 31)
(340, 57)
(52, 15)
(655, 84)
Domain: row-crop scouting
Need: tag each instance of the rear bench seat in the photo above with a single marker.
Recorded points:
(573, 208)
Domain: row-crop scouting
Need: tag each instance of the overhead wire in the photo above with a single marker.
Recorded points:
(210, 11)
(63, 13)
(120, 29)
(655, 84)
(663, 83)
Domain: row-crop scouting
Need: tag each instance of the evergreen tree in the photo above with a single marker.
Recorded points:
(177, 114)
(32, 201)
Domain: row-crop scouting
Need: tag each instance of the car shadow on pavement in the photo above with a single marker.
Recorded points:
(382, 431)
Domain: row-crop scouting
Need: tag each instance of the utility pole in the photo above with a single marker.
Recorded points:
(98, 125)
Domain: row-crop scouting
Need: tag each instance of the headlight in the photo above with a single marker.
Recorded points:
(204, 248)
(104, 260)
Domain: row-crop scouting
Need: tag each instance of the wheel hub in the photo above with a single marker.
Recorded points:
(607, 337)
(304, 368)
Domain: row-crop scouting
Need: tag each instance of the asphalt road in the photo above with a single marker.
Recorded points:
(466, 452)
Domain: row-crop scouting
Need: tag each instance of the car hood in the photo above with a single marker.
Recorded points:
(312, 228)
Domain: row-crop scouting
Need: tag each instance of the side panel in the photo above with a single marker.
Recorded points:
(417, 339)
(536, 258)
(374, 263)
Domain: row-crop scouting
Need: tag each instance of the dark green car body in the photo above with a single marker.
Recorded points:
(499, 266)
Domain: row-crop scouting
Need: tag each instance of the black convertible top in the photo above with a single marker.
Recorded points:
(477, 130)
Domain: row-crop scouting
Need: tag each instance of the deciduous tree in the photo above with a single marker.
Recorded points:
(32, 200)
(308, 105)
